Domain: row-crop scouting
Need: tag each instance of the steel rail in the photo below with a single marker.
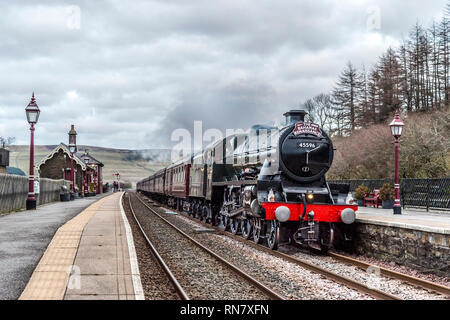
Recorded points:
(272, 294)
(348, 282)
(179, 289)
(393, 274)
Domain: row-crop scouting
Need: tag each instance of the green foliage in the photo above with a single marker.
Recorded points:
(361, 191)
(386, 192)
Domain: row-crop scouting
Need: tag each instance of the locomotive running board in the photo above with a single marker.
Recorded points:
(233, 183)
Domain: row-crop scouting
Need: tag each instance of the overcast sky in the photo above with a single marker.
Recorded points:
(127, 73)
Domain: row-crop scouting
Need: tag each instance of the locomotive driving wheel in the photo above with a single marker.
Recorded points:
(257, 227)
(222, 221)
(225, 223)
(274, 235)
(246, 228)
(234, 225)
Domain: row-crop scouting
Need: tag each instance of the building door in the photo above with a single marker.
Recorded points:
(67, 175)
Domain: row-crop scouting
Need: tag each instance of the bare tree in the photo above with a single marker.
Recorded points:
(6, 141)
(345, 96)
(444, 61)
(320, 110)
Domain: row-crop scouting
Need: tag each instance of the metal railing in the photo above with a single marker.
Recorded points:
(417, 193)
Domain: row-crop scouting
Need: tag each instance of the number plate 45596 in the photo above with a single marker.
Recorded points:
(306, 145)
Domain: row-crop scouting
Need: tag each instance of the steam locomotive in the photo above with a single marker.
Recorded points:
(265, 184)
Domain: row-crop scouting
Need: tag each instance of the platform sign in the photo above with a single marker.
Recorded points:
(36, 187)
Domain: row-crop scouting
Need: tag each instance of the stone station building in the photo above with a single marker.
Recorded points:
(87, 170)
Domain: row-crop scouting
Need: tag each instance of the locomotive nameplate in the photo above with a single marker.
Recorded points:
(307, 128)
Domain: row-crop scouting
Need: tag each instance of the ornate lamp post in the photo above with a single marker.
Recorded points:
(32, 111)
(396, 130)
(86, 161)
(72, 149)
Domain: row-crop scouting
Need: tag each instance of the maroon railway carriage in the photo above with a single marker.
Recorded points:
(177, 183)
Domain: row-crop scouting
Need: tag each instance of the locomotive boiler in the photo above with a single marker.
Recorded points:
(265, 184)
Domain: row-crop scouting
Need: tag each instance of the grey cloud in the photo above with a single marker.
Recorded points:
(135, 71)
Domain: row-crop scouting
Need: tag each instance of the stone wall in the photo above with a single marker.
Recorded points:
(14, 191)
(53, 169)
(424, 251)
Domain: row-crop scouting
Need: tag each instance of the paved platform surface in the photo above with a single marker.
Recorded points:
(24, 236)
(438, 222)
(89, 258)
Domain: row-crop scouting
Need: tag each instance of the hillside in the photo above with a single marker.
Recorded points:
(133, 165)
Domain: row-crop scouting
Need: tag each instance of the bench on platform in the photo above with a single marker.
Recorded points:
(372, 198)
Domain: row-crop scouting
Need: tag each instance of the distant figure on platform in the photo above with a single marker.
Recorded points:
(115, 186)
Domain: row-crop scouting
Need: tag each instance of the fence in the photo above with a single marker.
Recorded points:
(14, 191)
(418, 193)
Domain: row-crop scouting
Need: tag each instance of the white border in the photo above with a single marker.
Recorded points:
(135, 275)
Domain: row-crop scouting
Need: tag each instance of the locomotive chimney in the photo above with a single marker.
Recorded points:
(294, 116)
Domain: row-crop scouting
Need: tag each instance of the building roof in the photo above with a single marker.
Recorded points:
(14, 170)
(91, 159)
(65, 149)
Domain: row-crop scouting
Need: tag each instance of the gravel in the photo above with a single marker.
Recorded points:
(370, 277)
(289, 279)
(445, 281)
(201, 276)
(295, 282)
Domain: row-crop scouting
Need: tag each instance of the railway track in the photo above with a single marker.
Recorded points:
(377, 294)
(393, 274)
(173, 280)
(183, 282)
(362, 287)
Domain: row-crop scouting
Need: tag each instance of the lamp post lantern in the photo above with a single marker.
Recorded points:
(32, 111)
(396, 131)
(72, 149)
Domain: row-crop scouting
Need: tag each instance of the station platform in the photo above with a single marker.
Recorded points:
(91, 257)
(435, 222)
(24, 237)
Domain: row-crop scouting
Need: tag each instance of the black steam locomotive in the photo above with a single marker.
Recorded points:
(267, 183)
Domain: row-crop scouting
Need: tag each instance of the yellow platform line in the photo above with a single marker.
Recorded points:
(49, 279)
